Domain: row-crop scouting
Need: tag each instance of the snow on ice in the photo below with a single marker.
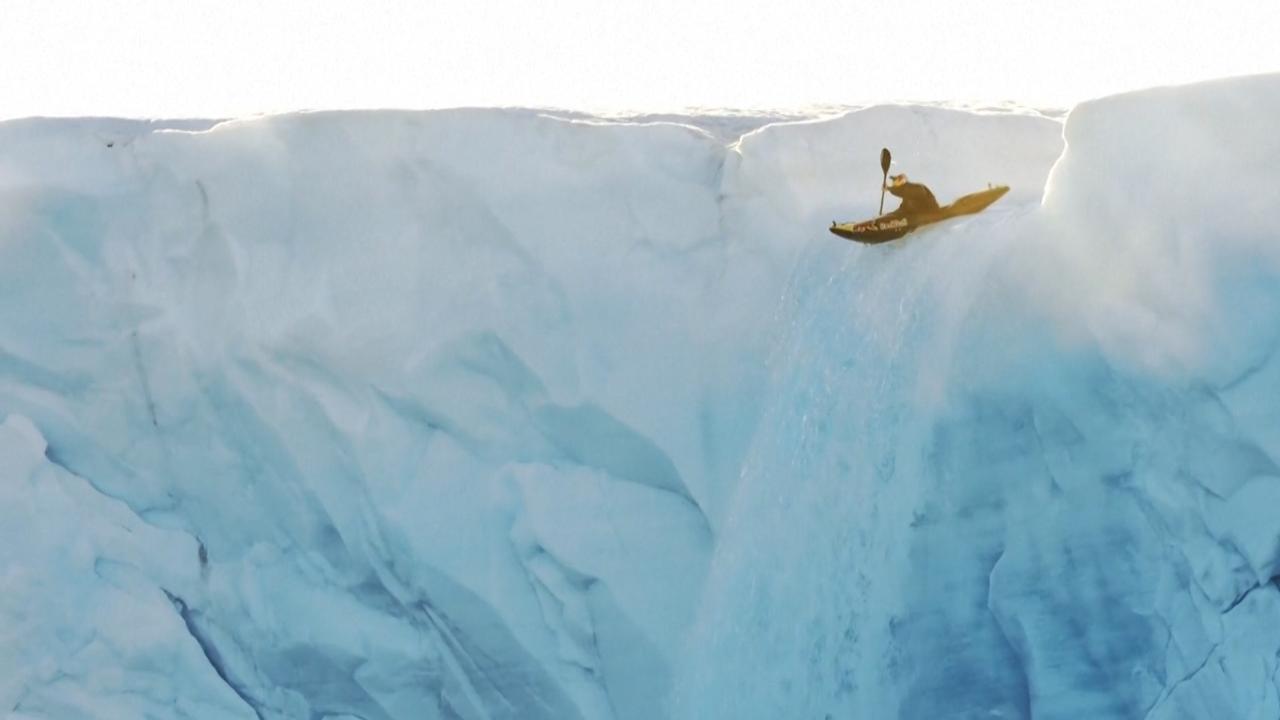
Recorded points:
(495, 414)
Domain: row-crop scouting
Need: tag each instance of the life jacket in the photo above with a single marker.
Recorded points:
(916, 198)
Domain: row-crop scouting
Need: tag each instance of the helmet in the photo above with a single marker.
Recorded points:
(896, 180)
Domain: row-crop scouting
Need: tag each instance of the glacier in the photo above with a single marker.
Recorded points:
(522, 414)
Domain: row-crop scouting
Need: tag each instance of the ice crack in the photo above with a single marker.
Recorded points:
(1163, 697)
(1273, 581)
(211, 653)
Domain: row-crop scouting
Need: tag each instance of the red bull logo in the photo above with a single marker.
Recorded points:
(894, 224)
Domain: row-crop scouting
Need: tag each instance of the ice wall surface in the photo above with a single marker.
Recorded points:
(485, 414)
(1027, 469)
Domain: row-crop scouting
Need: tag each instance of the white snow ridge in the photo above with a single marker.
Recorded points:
(491, 414)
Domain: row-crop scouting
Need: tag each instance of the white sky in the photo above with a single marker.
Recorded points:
(168, 58)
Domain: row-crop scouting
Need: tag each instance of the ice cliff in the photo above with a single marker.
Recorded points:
(497, 414)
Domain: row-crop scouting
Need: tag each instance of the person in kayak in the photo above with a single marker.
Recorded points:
(916, 198)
